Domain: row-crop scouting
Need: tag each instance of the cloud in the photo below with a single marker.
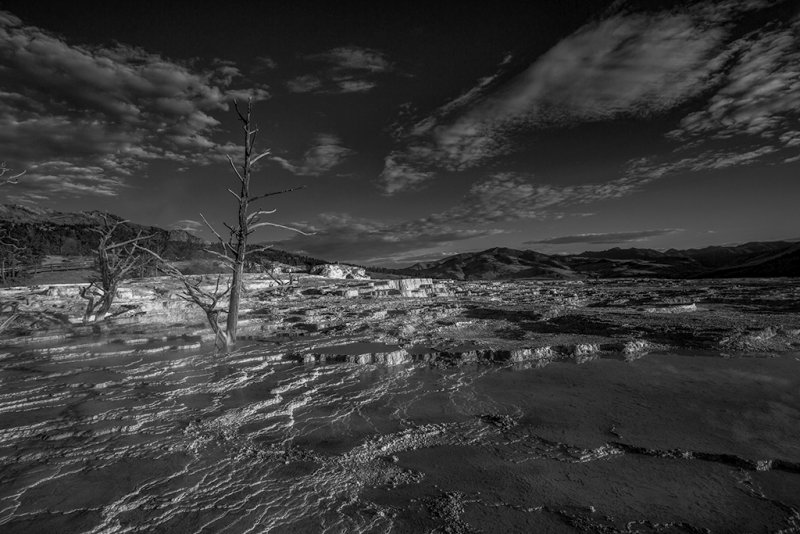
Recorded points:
(605, 238)
(347, 69)
(106, 110)
(400, 174)
(307, 83)
(625, 65)
(188, 225)
(342, 237)
(355, 86)
(66, 179)
(509, 196)
(256, 94)
(645, 170)
(325, 154)
(262, 63)
(500, 198)
(760, 94)
(353, 58)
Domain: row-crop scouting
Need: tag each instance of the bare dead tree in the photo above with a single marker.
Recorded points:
(16, 259)
(12, 179)
(234, 249)
(205, 293)
(282, 286)
(12, 256)
(114, 263)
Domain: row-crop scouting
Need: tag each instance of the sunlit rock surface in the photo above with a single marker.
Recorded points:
(407, 406)
(339, 271)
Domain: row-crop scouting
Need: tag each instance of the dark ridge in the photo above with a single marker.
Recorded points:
(49, 232)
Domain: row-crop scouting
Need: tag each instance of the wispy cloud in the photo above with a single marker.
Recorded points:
(759, 95)
(354, 58)
(509, 196)
(325, 154)
(625, 65)
(401, 173)
(500, 198)
(605, 238)
(347, 69)
(188, 225)
(256, 94)
(104, 111)
(644, 170)
(340, 236)
(348, 85)
(307, 83)
(262, 63)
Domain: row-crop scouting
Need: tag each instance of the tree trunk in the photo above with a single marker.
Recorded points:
(233, 305)
(243, 229)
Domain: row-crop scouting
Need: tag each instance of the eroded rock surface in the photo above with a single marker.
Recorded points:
(407, 406)
(447, 321)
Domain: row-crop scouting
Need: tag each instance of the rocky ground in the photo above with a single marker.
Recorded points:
(444, 322)
(457, 407)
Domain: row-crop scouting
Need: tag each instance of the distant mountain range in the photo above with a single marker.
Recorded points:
(760, 259)
(69, 234)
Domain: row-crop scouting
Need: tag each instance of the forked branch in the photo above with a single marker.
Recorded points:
(12, 179)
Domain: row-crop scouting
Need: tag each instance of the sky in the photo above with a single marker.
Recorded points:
(418, 131)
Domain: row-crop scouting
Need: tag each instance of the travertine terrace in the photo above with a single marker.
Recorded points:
(457, 321)
(407, 406)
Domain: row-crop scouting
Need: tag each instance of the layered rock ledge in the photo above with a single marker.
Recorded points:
(440, 322)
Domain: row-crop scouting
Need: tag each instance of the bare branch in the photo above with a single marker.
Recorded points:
(255, 159)
(13, 179)
(258, 213)
(221, 256)
(239, 113)
(276, 225)
(231, 229)
(130, 241)
(219, 237)
(234, 194)
(233, 166)
(107, 229)
(273, 193)
(262, 248)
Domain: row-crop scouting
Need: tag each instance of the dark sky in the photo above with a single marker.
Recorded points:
(420, 130)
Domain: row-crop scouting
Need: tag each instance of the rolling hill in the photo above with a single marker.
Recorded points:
(760, 259)
(49, 232)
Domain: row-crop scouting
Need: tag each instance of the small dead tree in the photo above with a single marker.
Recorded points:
(14, 257)
(282, 286)
(114, 263)
(205, 293)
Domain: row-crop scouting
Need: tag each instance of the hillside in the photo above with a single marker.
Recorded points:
(768, 259)
(496, 263)
(50, 232)
(53, 233)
